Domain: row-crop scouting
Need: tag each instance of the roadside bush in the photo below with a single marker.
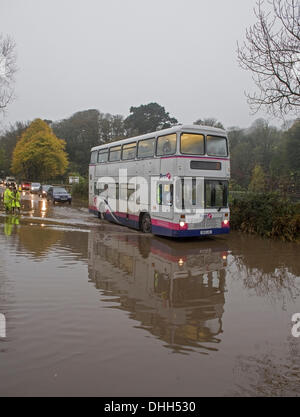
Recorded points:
(266, 214)
(81, 190)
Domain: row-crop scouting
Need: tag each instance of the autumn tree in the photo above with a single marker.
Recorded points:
(271, 52)
(39, 154)
(258, 182)
(7, 70)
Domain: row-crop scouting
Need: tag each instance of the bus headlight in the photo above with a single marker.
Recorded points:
(180, 262)
(181, 224)
(225, 223)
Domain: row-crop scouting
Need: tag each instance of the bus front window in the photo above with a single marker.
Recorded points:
(192, 144)
(216, 146)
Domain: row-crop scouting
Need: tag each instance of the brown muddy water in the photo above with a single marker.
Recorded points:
(94, 309)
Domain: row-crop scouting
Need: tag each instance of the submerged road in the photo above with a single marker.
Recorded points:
(93, 308)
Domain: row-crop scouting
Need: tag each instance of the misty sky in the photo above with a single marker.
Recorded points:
(110, 55)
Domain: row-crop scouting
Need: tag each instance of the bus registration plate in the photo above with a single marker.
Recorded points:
(205, 232)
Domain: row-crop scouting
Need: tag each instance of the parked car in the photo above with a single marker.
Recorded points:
(26, 186)
(10, 181)
(35, 187)
(44, 190)
(59, 195)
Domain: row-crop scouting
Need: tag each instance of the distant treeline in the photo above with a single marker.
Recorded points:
(263, 157)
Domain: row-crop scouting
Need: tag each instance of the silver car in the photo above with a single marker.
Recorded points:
(35, 187)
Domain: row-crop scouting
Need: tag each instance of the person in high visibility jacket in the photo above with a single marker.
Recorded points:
(16, 201)
(8, 199)
(8, 225)
(13, 199)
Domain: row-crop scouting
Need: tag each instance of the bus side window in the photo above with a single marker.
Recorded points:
(130, 191)
(101, 188)
(146, 148)
(168, 194)
(129, 151)
(159, 194)
(117, 191)
(165, 194)
(103, 155)
(115, 153)
(171, 194)
(94, 157)
(166, 145)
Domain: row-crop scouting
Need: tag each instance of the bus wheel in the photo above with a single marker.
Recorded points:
(146, 226)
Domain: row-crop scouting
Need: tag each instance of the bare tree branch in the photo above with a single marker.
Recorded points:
(271, 52)
(7, 71)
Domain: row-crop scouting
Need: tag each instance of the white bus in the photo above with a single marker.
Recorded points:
(173, 182)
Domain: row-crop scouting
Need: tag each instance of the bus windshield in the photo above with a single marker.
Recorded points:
(192, 144)
(216, 146)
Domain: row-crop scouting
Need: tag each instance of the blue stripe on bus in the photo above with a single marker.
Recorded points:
(164, 231)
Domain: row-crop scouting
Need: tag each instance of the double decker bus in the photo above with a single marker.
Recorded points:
(173, 182)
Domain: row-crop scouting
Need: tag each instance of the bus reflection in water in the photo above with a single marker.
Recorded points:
(174, 290)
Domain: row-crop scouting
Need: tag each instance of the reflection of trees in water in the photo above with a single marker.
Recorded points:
(269, 268)
(269, 374)
(76, 243)
(278, 285)
(38, 241)
(266, 255)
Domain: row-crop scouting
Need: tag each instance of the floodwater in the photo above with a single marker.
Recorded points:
(95, 309)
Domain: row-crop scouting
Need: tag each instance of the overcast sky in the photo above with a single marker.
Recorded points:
(110, 55)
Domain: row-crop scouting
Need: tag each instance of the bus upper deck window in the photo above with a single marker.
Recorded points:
(192, 144)
(146, 148)
(103, 155)
(129, 151)
(94, 157)
(166, 145)
(216, 146)
(115, 154)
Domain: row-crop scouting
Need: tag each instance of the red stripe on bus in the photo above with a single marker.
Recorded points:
(168, 225)
(155, 222)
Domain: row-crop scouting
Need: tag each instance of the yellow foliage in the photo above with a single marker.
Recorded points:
(39, 154)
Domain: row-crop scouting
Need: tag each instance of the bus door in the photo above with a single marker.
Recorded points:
(192, 194)
(165, 199)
